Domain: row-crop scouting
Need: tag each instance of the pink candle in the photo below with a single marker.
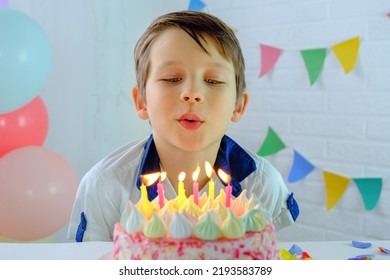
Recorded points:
(228, 194)
(195, 185)
(160, 190)
(195, 190)
(226, 178)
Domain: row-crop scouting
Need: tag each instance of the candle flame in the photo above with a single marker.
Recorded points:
(163, 175)
(149, 179)
(182, 176)
(224, 176)
(209, 169)
(196, 174)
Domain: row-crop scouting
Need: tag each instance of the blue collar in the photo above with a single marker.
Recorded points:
(231, 158)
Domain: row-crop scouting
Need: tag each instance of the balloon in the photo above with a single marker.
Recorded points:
(3, 3)
(26, 126)
(37, 190)
(25, 59)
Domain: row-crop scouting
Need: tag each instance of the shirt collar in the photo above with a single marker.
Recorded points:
(231, 158)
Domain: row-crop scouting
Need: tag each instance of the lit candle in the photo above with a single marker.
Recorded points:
(181, 195)
(160, 189)
(144, 204)
(144, 194)
(209, 172)
(226, 178)
(228, 194)
(195, 185)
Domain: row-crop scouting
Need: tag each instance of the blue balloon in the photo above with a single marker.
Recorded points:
(25, 59)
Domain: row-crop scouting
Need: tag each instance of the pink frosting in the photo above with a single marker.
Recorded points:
(253, 245)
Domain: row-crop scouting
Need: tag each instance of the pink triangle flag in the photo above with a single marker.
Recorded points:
(269, 57)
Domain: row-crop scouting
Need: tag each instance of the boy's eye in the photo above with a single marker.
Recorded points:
(213, 82)
(172, 80)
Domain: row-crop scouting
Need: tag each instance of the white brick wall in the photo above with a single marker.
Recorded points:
(340, 124)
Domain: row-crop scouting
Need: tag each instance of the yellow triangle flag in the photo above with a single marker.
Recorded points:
(347, 53)
(335, 188)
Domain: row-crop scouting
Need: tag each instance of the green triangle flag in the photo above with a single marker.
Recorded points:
(314, 61)
(271, 145)
(370, 189)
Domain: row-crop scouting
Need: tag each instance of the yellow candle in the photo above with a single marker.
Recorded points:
(211, 189)
(181, 194)
(144, 194)
(209, 172)
(144, 205)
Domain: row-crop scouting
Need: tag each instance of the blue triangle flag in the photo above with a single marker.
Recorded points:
(300, 168)
(196, 5)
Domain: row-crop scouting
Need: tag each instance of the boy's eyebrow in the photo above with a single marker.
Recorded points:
(212, 64)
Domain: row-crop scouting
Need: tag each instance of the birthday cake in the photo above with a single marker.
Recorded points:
(195, 228)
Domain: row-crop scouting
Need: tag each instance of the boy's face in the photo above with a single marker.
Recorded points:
(190, 95)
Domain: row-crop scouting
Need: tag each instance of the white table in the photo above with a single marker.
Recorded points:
(338, 250)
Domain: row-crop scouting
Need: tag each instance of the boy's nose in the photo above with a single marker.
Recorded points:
(192, 94)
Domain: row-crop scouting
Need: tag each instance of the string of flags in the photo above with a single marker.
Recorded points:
(335, 184)
(346, 52)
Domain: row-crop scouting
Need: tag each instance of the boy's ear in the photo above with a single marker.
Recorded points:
(240, 108)
(140, 104)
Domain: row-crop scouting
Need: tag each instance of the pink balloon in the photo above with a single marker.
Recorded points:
(37, 190)
(26, 126)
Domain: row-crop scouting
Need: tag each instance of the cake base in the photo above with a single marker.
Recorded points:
(254, 245)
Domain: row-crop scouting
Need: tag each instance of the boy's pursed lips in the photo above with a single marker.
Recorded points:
(190, 121)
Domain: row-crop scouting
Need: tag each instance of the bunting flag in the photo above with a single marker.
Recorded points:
(269, 57)
(196, 5)
(335, 187)
(370, 189)
(347, 53)
(314, 61)
(271, 145)
(300, 168)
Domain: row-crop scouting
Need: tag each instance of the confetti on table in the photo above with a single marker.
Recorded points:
(384, 250)
(295, 249)
(306, 256)
(363, 257)
(286, 255)
(294, 253)
(361, 245)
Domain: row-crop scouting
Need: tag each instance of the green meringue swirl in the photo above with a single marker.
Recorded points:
(207, 229)
(155, 227)
(233, 227)
(254, 220)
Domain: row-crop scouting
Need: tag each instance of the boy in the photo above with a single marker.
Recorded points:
(190, 85)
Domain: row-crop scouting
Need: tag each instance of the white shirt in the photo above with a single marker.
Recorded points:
(104, 191)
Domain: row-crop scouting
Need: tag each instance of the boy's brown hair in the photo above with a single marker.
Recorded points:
(196, 24)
